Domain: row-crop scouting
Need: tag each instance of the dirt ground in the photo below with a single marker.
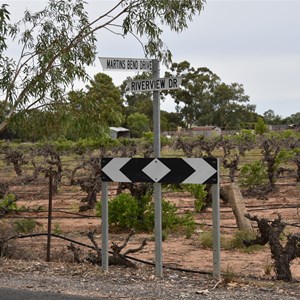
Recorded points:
(178, 251)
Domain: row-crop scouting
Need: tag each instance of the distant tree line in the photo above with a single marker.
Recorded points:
(203, 99)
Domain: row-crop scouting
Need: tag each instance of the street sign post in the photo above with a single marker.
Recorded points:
(126, 64)
(157, 170)
(169, 170)
(148, 85)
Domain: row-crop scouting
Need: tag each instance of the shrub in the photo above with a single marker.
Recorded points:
(25, 225)
(57, 229)
(126, 212)
(253, 175)
(206, 240)
(123, 211)
(169, 217)
(260, 126)
(237, 242)
(188, 223)
(199, 193)
(8, 204)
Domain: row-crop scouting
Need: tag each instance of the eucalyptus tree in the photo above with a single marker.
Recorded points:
(203, 99)
(193, 98)
(138, 124)
(57, 43)
(271, 119)
(229, 106)
(90, 113)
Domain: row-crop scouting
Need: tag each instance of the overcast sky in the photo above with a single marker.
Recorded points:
(255, 43)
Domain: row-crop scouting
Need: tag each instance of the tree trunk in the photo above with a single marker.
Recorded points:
(236, 202)
(282, 267)
(269, 232)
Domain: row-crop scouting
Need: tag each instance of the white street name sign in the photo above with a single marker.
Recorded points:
(147, 85)
(126, 64)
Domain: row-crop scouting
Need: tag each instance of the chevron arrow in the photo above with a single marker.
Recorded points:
(111, 169)
(204, 170)
(163, 170)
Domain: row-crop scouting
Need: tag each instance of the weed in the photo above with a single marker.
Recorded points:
(25, 225)
(237, 242)
(206, 240)
(8, 204)
(164, 235)
(57, 229)
(268, 267)
(229, 275)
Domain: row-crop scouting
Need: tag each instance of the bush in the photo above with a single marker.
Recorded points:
(126, 212)
(187, 222)
(169, 217)
(253, 175)
(206, 240)
(25, 225)
(199, 193)
(8, 204)
(123, 211)
(237, 242)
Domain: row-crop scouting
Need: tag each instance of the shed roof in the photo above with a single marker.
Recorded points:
(204, 128)
(119, 129)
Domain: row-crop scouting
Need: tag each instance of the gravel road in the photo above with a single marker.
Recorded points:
(140, 283)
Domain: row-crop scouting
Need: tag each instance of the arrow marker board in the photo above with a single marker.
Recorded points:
(160, 170)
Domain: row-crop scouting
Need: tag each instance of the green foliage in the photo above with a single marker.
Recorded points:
(199, 193)
(206, 240)
(8, 204)
(85, 114)
(188, 223)
(207, 100)
(57, 229)
(80, 146)
(169, 217)
(89, 114)
(126, 212)
(245, 136)
(138, 124)
(25, 225)
(62, 44)
(123, 211)
(272, 119)
(237, 242)
(142, 20)
(260, 126)
(273, 147)
(148, 137)
(253, 175)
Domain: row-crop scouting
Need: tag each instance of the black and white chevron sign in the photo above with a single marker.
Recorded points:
(161, 170)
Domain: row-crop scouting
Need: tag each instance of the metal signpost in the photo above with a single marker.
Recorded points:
(169, 170)
(157, 170)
